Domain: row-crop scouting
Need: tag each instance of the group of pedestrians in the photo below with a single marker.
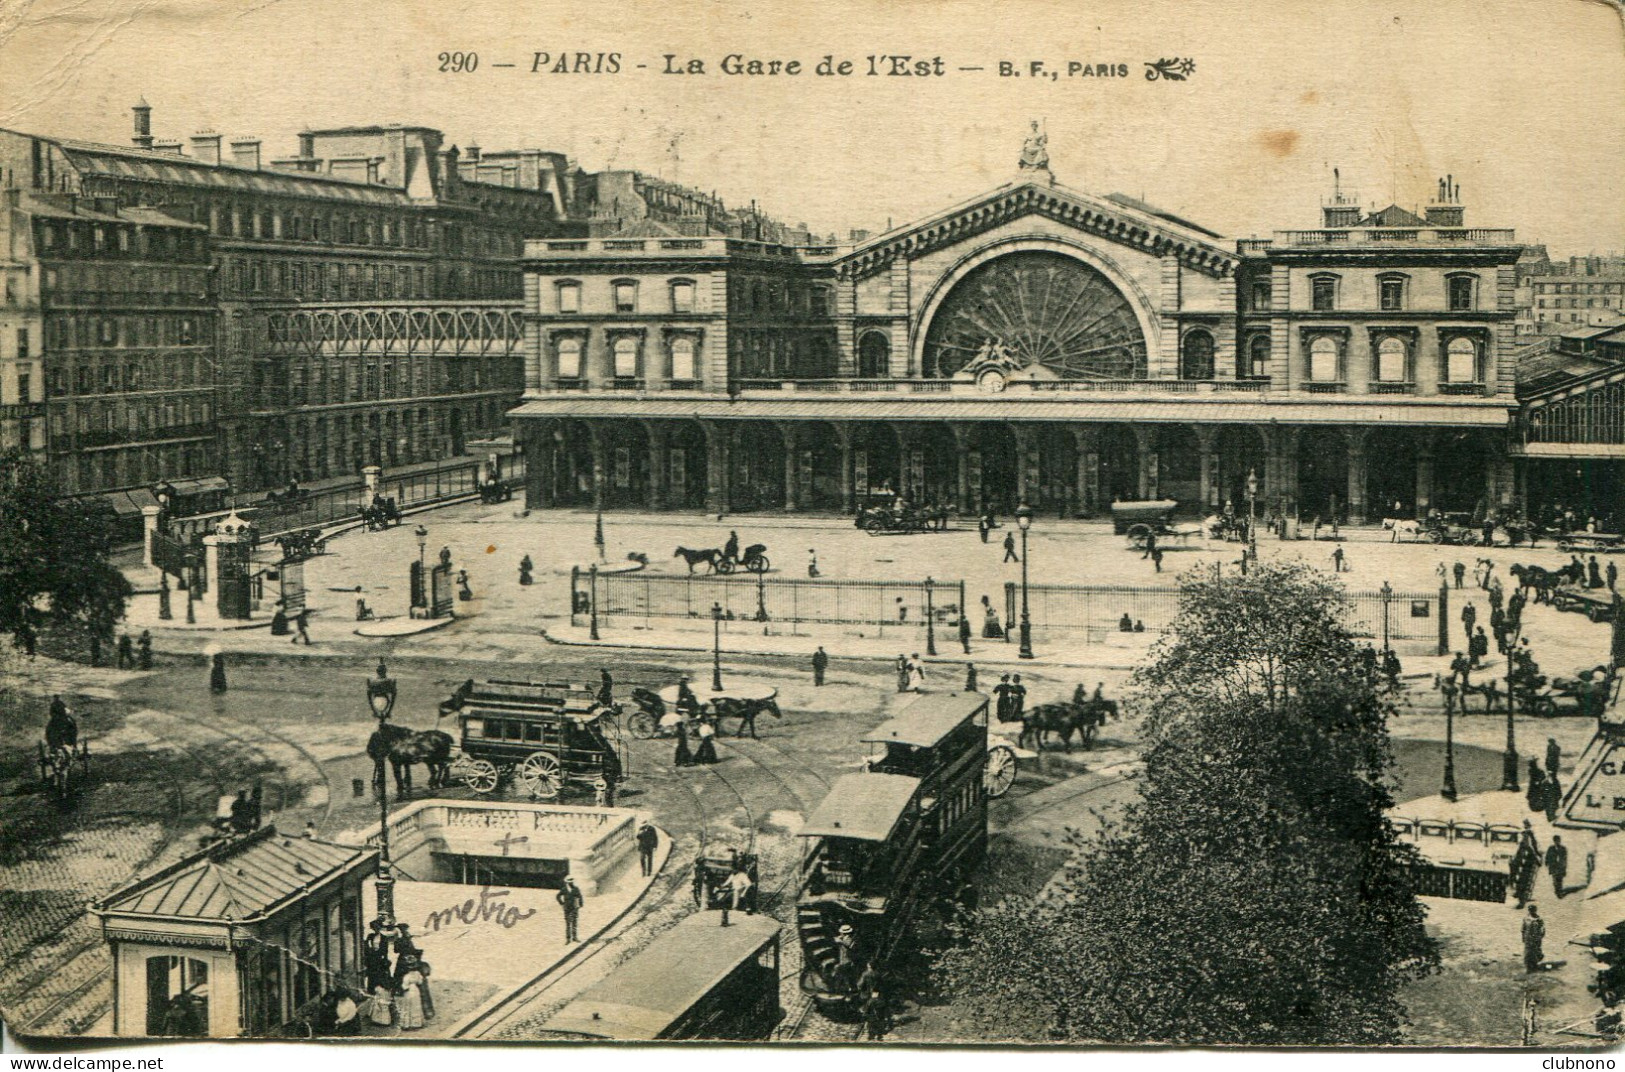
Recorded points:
(910, 673)
(135, 654)
(688, 721)
(397, 977)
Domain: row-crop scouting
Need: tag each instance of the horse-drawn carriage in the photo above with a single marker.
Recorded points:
(1143, 521)
(754, 560)
(61, 764)
(1450, 529)
(380, 514)
(300, 545)
(899, 518)
(542, 735)
(1587, 693)
(658, 714)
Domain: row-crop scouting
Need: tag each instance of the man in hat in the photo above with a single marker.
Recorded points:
(846, 949)
(1557, 863)
(1018, 699)
(736, 893)
(144, 650)
(648, 841)
(570, 898)
(1534, 935)
(820, 663)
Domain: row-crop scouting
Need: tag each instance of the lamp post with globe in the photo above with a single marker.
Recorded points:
(1024, 519)
(381, 698)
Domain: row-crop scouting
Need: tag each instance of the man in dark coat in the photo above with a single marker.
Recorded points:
(1018, 699)
(874, 1016)
(731, 548)
(570, 898)
(1535, 791)
(1469, 618)
(648, 841)
(1552, 798)
(1554, 755)
(1557, 863)
(144, 650)
(1010, 548)
(964, 632)
(820, 663)
(970, 677)
(1534, 934)
(1478, 646)
(1459, 571)
(606, 689)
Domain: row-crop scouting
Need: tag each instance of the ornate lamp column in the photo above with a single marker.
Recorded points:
(1024, 518)
(381, 698)
(716, 647)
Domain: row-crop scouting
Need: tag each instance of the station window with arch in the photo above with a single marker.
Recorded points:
(682, 295)
(1256, 365)
(1462, 292)
(1462, 362)
(1323, 293)
(567, 295)
(1391, 291)
(684, 353)
(874, 356)
(1325, 361)
(1196, 355)
(624, 351)
(626, 295)
(567, 355)
(1393, 361)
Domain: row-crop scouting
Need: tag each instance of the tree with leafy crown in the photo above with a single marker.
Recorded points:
(54, 560)
(1255, 893)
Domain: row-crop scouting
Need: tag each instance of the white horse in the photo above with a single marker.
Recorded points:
(1411, 530)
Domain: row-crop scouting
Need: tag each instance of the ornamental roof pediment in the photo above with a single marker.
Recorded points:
(1104, 219)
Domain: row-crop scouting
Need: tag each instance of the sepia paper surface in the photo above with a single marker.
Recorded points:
(806, 293)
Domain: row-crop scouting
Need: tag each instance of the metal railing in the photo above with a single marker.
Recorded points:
(647, 600)
(1097, 611)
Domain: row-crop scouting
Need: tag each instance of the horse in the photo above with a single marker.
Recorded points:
(746, 711)
(1094, 713)
(402, 748)
(1542, 580)
(709, 556)
(1411, 530)
(1061, 718)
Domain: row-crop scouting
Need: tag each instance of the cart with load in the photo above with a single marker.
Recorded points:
(1141, 521)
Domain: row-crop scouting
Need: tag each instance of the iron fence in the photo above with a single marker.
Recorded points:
(1092, 612)
(641, 599)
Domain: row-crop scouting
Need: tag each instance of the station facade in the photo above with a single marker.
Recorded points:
(1036, 344)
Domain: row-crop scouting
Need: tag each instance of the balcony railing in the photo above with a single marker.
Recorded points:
(1325, 387)
(1461, 388)
(1457, 236)
(1392, 387)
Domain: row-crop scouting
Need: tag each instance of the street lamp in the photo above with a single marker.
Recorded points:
(1509, 760)
(716, 647)
(423, 543)
(1387, 595)
(1252, 515)
(381, 698)
(1448, 789)
(592, 600)
(1024, 518)
(598, 531)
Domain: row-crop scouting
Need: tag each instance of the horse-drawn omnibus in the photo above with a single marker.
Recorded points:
(886, 844)
(696, 981)
(540, 734)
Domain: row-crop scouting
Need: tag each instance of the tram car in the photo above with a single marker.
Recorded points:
(696, 981)
(541, 735)
(890, 842)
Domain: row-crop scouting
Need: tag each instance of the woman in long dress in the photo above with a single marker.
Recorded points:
(916, 674)
(683, 758)
(410, 1002)
(427, 994)
(381, 1005)
(707, 752)
(991, 629)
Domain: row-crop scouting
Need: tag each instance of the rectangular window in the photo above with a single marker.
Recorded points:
(626, 358)
(569, 295)
(1261, 295)
(1461, 293)
(25, 384)
(1392, 295)
(626, 297)
(1323, 295)
(682, 297)
(22, 343)
(569, 359)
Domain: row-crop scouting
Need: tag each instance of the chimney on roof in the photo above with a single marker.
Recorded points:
(1446, 210)
(472, 154)
(142, 111)
(245, 153)
(206, 147)
(173, 148)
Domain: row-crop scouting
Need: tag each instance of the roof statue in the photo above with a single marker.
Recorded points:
(1035, 151)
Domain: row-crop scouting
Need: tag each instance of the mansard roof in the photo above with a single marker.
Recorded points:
(1118, 219)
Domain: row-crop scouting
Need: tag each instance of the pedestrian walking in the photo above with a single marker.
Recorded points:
(1478, 648)
(410, 1001)
(302, 625)
(991, 629)
(126, 652)
(1553, 798)
(1554, 755)
(1525, 862)
(916, 673)
(1460, 572)
(570, 899)
(812, 563)
(874, 1016)
(1018, 698)
(1557, 863)
(902, 611)
(1497, 594)
(1534, 937)
(526, 568)
(820, 663)
(1002, 699)
(706, 753)
(1156, 558)
(1443, 573)
(1010, 548)
(1535, 792)
(683, 757)
(1612, 575)
(964, 631)
(1150, 545)
(983, 525)
(1337, 560)
(970, 677)
(648, 841)
(217, 673)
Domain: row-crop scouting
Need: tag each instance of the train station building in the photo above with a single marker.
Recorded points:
(1037, 343)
